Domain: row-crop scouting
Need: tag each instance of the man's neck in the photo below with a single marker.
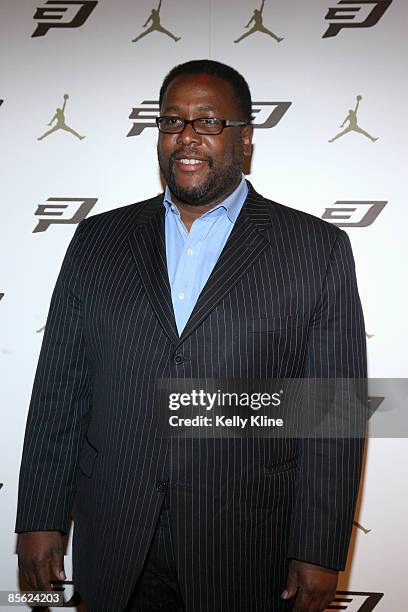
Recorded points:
(190, 212)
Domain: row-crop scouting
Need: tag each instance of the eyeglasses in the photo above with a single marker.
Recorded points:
(202, 125)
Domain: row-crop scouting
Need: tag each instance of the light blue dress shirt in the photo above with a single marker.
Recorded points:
(191, 256)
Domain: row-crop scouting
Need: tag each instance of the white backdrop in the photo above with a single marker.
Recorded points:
(106, 76)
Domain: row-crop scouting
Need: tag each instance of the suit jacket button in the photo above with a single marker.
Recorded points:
(178, 358)
(161, 486)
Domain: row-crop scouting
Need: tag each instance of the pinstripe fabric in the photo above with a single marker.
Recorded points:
(239, 507)
(157, 587)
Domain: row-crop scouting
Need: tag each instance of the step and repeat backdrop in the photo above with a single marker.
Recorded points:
(78, 95)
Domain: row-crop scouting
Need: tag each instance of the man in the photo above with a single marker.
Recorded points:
(212, 280)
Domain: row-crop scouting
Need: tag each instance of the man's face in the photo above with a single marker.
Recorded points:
(220, 156)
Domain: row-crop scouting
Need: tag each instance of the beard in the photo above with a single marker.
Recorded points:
(219, 182)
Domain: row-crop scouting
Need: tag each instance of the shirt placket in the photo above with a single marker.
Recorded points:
(187, 274)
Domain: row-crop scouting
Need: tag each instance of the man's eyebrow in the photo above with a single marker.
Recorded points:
(175, 108)
(206, 107)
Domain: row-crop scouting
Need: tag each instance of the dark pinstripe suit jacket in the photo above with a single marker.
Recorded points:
(240, 508)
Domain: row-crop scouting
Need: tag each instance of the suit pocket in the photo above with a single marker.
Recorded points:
(280, 467)
(87, 458)
(275, 324)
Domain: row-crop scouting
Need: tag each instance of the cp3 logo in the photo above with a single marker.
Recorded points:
(62, 213)
(265, 115)
(348, 16)
(355, 601)
(361, 213)
(374, 402)
(54, 15)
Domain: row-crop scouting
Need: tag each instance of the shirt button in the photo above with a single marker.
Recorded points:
(178, 358)
(161, 486)
(180, 295)
(189, 251)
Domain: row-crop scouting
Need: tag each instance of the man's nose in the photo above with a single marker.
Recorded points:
(188, 135)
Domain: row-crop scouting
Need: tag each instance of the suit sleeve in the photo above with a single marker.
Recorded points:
(330, 467)
(60, 403)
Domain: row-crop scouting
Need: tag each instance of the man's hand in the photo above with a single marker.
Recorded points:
(41, 558)
(315, 586)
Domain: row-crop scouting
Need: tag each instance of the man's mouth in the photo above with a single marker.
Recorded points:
(190, 164)
(190, 161)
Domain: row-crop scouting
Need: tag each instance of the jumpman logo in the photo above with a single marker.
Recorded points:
(156, 25)
(59, 117)
(258, 26)
(353, 126)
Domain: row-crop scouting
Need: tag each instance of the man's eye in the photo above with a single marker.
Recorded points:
(209, 121)
(172, 121)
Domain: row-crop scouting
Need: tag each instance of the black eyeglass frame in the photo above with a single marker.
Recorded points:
(224, 124)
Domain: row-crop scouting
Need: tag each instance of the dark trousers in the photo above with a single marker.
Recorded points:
(157, 587)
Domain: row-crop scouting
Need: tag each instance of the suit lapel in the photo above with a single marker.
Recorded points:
(244, 245)
(147, 242)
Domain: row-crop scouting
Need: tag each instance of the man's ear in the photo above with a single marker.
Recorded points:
(247, 134)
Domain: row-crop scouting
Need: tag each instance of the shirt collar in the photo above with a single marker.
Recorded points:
(232, 204)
